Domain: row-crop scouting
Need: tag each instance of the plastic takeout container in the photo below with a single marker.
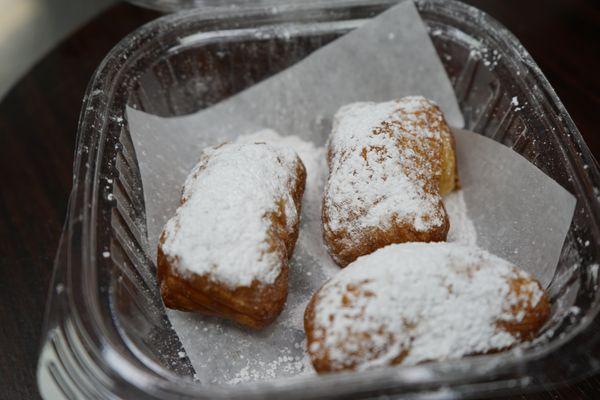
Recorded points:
(106, 332)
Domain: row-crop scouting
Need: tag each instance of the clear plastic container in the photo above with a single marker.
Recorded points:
(178, 5)
(106, 333)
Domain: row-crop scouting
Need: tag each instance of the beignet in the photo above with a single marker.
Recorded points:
(226, 250)
(416, 302)
(389, 166)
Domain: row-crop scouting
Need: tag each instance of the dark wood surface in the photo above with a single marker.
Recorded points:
(38, 121)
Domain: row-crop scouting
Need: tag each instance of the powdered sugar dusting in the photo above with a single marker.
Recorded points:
(374, 181)
(432, 301)
(310, 239)
(286, 363)
(222, 227)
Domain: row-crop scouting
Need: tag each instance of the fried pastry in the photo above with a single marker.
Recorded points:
(389, 166)
(226, 250)
(416, 302)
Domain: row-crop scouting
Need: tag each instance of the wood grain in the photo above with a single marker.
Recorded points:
(38, 120)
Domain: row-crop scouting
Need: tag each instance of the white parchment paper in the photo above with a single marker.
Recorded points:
(389, 57)
(519, 213)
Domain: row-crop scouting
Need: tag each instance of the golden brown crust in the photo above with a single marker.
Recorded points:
(363, 344)
(374, 238)
(320, 363)
(255, 306)
(435, 167)
(533, 316)
(449, 180)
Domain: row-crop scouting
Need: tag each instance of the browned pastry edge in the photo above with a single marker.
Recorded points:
(255, 306)
(320, 364)
(534, 316)
(525, 330)
(371, 239)
(456, 184)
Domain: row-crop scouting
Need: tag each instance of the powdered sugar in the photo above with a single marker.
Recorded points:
(222, 227)
(374, 181)
(431, 301)
(286, 363)
(310, 239)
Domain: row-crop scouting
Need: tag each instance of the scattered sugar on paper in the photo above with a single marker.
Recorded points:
(256, 370)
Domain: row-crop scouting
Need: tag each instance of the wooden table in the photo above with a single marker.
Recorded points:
(38, 122)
